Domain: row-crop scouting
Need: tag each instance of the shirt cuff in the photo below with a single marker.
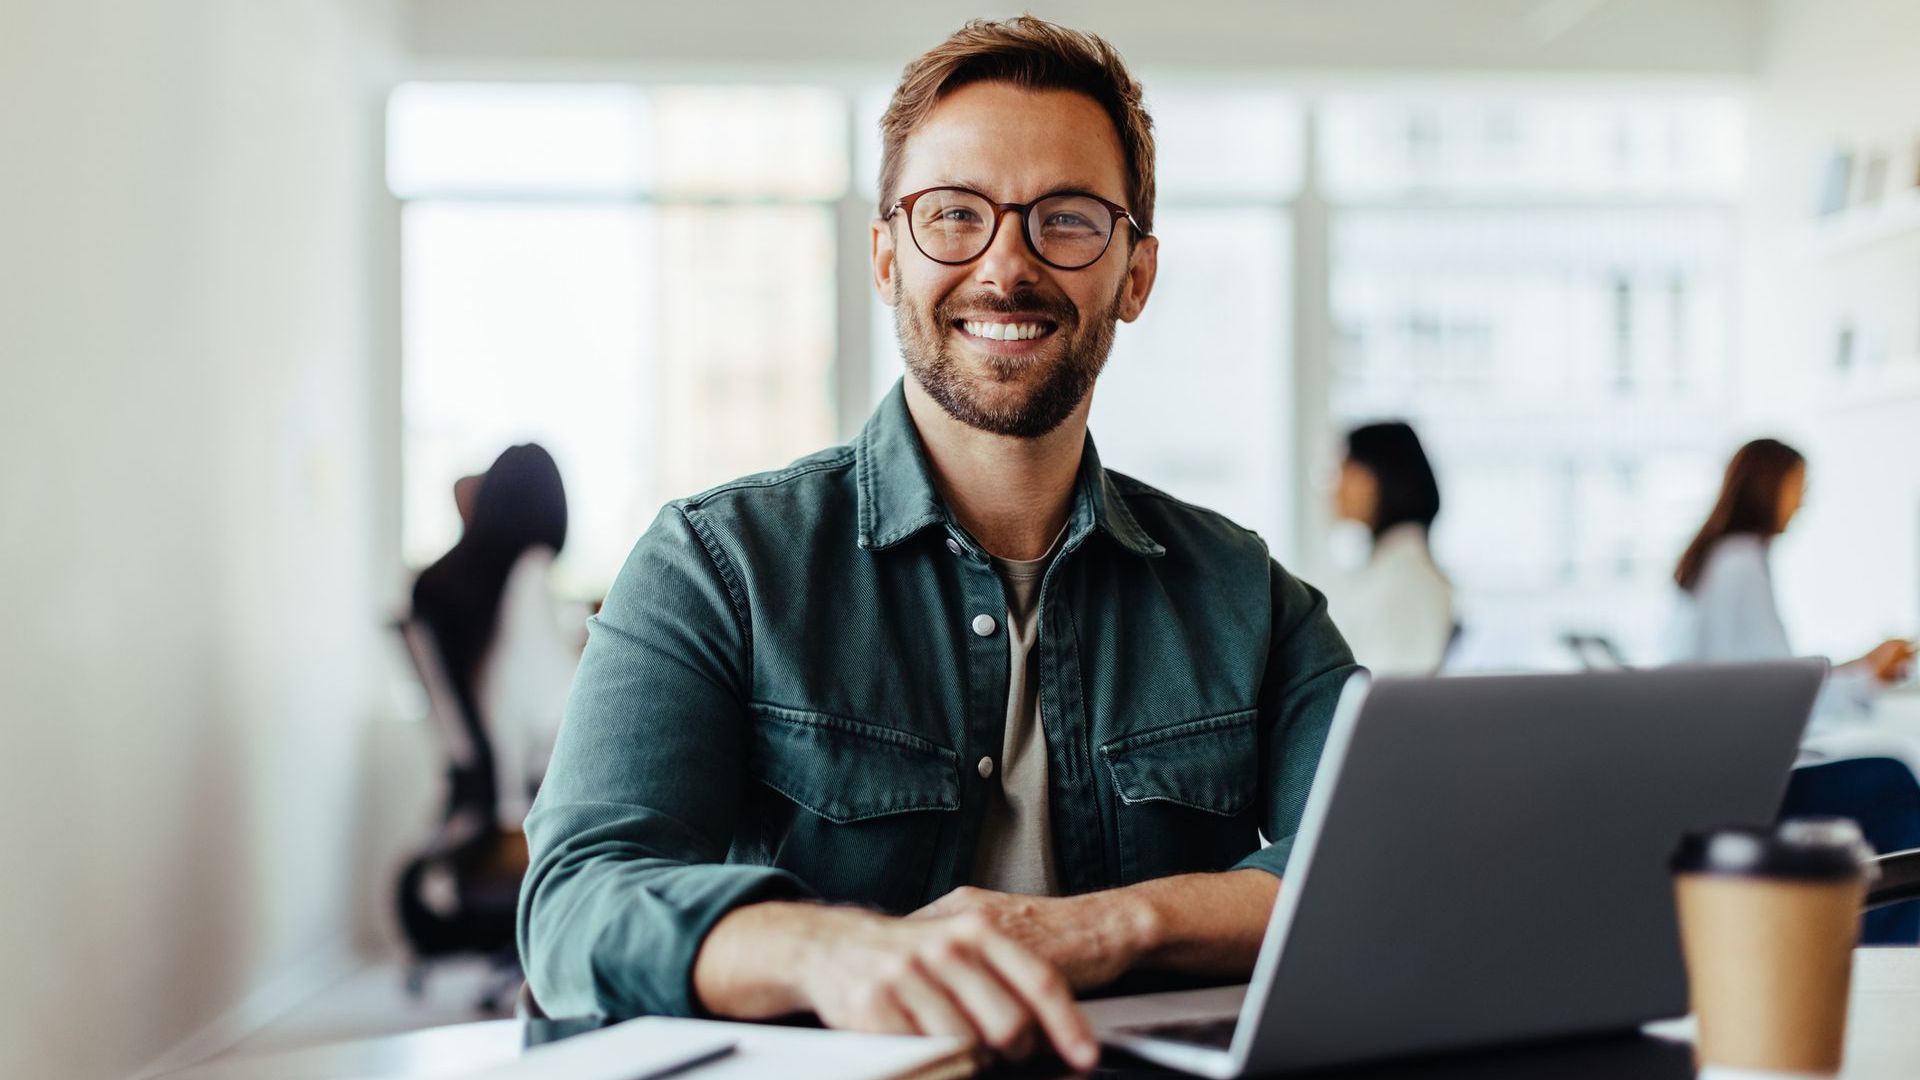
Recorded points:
(643, 963)
(1272, 858)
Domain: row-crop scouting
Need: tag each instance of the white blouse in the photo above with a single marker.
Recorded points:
(1396, 612)
(1731, 617)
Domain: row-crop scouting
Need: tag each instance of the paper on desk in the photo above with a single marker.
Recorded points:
(623, 1052)
(650, 1045)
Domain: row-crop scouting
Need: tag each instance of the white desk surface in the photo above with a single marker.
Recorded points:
(1893, 731)
(1883, 1039)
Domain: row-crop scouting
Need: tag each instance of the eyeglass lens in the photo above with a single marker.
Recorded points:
(954, 226)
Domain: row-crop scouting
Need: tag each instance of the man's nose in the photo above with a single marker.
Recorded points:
(1008, 262)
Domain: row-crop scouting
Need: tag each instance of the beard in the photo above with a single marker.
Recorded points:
(1072, 363)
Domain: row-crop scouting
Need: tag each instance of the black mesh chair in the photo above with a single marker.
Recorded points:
(458, 897)
(1899, 879)
(1883, 797)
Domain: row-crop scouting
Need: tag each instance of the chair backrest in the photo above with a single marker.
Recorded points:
(1596, 652)
(1899, 879)
(443, 705)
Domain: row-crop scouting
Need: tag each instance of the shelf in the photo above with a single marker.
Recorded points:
(1862, 227)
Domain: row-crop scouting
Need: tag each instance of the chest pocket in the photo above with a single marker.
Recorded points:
(855, 809)
(1187, 795)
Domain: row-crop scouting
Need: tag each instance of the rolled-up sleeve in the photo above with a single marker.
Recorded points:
(1308, 663)
(629, 835)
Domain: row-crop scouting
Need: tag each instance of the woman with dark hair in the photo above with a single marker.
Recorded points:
(1727, 613)
(1397, 612)
(490, 611)
(1727, 610)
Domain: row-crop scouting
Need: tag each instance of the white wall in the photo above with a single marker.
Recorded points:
(1700, 36)
(1838, 73)
(192, 534)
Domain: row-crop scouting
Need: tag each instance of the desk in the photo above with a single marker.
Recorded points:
(1893, 731)
(1883, 1043)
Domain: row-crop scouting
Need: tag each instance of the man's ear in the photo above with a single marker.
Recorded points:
(1143, 264)
(882, 257)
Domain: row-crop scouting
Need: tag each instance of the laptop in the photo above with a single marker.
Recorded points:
(1484, 859)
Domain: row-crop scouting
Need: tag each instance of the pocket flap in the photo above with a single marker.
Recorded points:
(846, 770)
(1210, 764)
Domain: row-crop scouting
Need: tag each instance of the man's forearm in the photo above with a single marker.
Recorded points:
(1206, 924)
(747, 967)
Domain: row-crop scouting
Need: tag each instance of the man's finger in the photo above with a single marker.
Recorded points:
(875, 1009)
(997, 1012)
(1045, 990)
(932, 1011)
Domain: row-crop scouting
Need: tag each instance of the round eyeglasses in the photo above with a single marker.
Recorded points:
(1068, 230)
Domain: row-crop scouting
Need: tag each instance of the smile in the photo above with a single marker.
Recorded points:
(1005, 331)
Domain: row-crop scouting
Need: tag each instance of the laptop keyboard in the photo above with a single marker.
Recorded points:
(1216, 1032)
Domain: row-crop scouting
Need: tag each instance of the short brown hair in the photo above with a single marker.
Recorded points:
(1037, 55)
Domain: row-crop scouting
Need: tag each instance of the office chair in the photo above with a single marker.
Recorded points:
(1882, 796)
(1595, 652)
(459, 896)
(1899, 879)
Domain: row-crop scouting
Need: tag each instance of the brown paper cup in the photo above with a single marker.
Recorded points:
(1769, 959)
(1769, 964)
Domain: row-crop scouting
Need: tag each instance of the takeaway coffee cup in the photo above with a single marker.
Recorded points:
(1768, 921)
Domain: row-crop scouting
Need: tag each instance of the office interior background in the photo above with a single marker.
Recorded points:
(274, 274)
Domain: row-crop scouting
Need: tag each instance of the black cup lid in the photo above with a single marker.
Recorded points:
(1803, 849)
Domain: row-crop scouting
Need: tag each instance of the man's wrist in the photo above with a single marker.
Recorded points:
(754, 963)
(1133, 924)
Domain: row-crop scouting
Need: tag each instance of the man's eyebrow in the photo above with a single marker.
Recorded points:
(1067, 185)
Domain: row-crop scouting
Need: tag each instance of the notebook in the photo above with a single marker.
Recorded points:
(655, 1046)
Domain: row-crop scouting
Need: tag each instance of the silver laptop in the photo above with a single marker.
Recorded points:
(1484, 859)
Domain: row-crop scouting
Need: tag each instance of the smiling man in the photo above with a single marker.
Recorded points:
(926, 733)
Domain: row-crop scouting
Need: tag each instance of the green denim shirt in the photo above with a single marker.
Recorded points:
(784, 696)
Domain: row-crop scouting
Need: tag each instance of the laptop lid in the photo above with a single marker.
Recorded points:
(1484, 858)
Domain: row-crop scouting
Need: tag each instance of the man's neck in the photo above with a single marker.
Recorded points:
(1012, 494)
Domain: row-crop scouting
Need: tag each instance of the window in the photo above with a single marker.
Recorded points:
(1542, 285)
(654, 282)
(639, 279)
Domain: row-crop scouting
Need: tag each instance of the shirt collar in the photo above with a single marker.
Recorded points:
(897, 497)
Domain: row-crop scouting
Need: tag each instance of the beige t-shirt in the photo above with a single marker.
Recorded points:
(1016, 839)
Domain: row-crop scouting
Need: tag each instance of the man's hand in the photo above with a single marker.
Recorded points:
(1092, 939)
(950, 975)
(1204, 924)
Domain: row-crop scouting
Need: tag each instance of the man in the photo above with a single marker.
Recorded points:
(925, 733)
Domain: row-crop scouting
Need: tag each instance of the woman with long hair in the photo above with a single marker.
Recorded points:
(1727, 609)
(1397, 612)
(1727, 613)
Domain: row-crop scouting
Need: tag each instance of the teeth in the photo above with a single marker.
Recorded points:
(998, 331)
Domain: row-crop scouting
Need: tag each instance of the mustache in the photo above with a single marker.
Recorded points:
(1019, 302)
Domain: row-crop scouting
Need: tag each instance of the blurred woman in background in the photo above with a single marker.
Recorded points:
(1727, 613)
(1726, 609)
(1397, 612)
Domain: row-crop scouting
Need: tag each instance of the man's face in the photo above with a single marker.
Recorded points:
(1011, 145)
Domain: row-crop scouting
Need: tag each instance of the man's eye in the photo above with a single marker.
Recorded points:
(959, 215)
(1067, 221)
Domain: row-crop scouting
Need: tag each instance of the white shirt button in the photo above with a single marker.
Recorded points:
(953, 545)
(985, 768)
(984, 625)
